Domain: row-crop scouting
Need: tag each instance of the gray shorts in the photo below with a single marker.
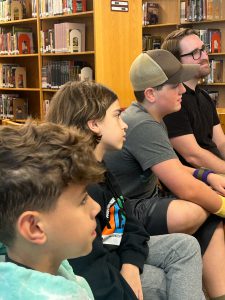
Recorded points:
(152, 213)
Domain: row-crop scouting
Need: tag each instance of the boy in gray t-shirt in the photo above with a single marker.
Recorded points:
(147, 155)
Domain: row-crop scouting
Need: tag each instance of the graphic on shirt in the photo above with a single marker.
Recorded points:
(113, 231)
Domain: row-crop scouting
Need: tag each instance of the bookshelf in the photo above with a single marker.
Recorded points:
(170, 19)
(112, 38)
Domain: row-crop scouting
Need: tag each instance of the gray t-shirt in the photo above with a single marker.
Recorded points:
(146, 145)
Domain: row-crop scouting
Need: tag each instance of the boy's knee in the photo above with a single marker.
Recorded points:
(185, 217)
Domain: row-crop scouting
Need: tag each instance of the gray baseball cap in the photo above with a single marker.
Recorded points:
(156, 67)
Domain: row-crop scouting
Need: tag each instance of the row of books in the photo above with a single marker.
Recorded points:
(13, 107)
(12, 10)
(216, 72)
(64, 37)
(199, 10)
(59, 7)
(150, 42)
(17, 40)
(12, 76)
(212, 39)
(57, 73)
(214, 95)
(150, 13)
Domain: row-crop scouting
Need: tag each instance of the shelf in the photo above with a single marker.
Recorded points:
(81, 14)
(21, 21)
(214, 84)
(50, 90)
(202, 22)
(20, 89)
(19, 55)
(216, 54)
(160, 25)
(68, 54)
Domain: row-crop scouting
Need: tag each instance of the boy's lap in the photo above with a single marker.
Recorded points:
(152, 213)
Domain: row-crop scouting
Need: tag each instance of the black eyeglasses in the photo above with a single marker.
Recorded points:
(197, 53)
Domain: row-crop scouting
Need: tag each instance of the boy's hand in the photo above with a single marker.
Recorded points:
(217, 182)
(131, 274)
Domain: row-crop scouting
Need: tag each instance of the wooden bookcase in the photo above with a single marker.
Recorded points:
(169, 20)
(113, 40)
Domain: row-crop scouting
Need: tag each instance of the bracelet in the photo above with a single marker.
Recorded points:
(202, 174)
(221, 211)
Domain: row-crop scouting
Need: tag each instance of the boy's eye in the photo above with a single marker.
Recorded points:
(84, 200)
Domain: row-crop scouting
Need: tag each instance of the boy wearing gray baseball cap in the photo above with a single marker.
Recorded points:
(189, 205)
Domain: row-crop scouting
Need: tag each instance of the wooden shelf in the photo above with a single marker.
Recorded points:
(104, 55)
(20, 89)
(216, 54)
(214, 84)
(18, 55)
(81, 14)
(68, 54)
(201, 22)
(50, 90)
(21, 21)
(161, 25)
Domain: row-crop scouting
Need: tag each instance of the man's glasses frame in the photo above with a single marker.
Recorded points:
(197, 53)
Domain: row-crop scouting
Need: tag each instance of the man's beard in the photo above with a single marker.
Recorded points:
(204, 71)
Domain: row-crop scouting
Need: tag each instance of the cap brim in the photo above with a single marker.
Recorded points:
(186, 72)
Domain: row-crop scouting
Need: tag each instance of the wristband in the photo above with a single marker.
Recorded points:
(221, 211)
(202, 174)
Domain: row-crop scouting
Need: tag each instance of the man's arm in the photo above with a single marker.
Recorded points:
(219, 139)
(187, 146)
(179, 181)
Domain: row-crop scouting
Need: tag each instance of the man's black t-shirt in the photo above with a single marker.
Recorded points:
(197, 116)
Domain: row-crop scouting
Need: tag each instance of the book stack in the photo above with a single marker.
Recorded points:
(17, 40)
(199, 10)
(12, 76)
(57, 73)
(60, 7)
(12, 10)
(212, 39)
(150, 42)
(64, 37)
(13, 107)
(150, 13)
(216, 74)
(214, 95)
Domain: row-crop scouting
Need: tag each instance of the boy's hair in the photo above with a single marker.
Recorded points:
(78, 102)
(140, 95)
(37, 162)
(172, 41)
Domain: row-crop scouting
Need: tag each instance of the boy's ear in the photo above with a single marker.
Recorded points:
(30, 227)
(94, 126)
(150, 95)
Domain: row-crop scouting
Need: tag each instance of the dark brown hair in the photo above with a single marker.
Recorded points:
(37, 162)
(78, 102)
(172, 41)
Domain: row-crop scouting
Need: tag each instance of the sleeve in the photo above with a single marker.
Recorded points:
(216, 119)
(149, 144)
(134, 247)
(178, 123)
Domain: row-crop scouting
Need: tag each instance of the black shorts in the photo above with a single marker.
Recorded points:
(152, 213)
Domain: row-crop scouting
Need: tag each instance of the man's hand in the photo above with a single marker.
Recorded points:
(132, 276)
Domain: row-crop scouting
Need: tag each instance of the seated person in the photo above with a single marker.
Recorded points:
(122, 250)
(147, 156)
(195, 131)
(46, 215)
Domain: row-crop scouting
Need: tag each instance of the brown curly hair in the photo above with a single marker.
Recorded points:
(37, 162)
